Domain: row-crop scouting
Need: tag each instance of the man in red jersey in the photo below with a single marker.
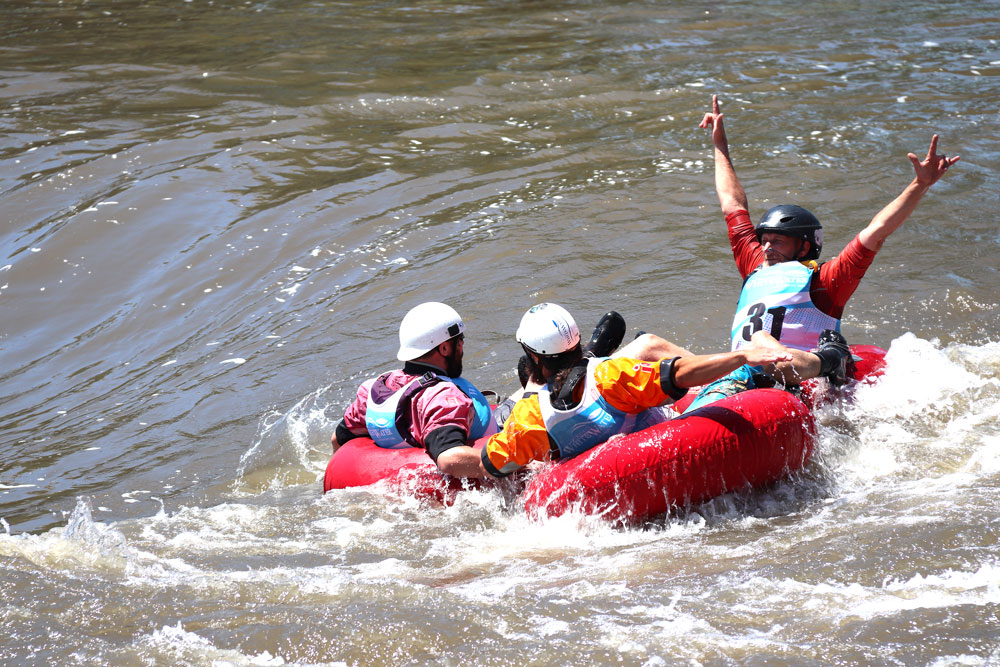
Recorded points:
(786, 294)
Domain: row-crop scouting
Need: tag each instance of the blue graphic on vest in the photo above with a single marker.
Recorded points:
(482, 420)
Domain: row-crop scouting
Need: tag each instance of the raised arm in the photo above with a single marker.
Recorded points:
(927, 172)
(727, 186)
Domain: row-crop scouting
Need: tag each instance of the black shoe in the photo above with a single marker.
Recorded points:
(607, 336)
(834, 355)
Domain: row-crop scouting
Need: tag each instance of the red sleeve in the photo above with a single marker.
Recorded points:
(746, 249)
(837, 279)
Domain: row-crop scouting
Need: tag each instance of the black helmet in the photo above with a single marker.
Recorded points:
(796, 222)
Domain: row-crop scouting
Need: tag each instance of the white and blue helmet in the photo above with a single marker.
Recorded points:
(548, 329)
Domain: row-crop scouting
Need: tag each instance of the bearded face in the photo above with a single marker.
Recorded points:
(453, 362)
(454, 365)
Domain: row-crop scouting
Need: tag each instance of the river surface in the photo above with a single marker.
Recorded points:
(215, 213)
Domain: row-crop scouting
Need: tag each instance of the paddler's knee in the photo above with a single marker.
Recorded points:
(650, 347)
(764, 339)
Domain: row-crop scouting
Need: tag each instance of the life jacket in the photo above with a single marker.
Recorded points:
(590, 422)
(776, 299)
(387, 413)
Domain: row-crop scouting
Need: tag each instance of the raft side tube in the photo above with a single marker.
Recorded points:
(748, 440)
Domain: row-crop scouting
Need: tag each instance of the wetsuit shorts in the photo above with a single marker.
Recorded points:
(743, 378)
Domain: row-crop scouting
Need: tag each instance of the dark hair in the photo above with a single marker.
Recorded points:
(559, 365)
(522, 370)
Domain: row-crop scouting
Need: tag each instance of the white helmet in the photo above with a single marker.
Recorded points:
(425, 327)
(548, 329)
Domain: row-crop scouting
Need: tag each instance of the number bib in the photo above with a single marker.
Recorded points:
(776, 299)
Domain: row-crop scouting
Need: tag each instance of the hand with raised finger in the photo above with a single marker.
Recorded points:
(714, 121)
(929, 170)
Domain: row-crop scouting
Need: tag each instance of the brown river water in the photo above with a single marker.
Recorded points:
(215, 214)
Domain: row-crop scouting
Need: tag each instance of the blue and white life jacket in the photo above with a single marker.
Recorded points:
(589, 423)
(776, 299)
(387, 413)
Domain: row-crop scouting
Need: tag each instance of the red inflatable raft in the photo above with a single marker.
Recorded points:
(747, 440)
(360, 462)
